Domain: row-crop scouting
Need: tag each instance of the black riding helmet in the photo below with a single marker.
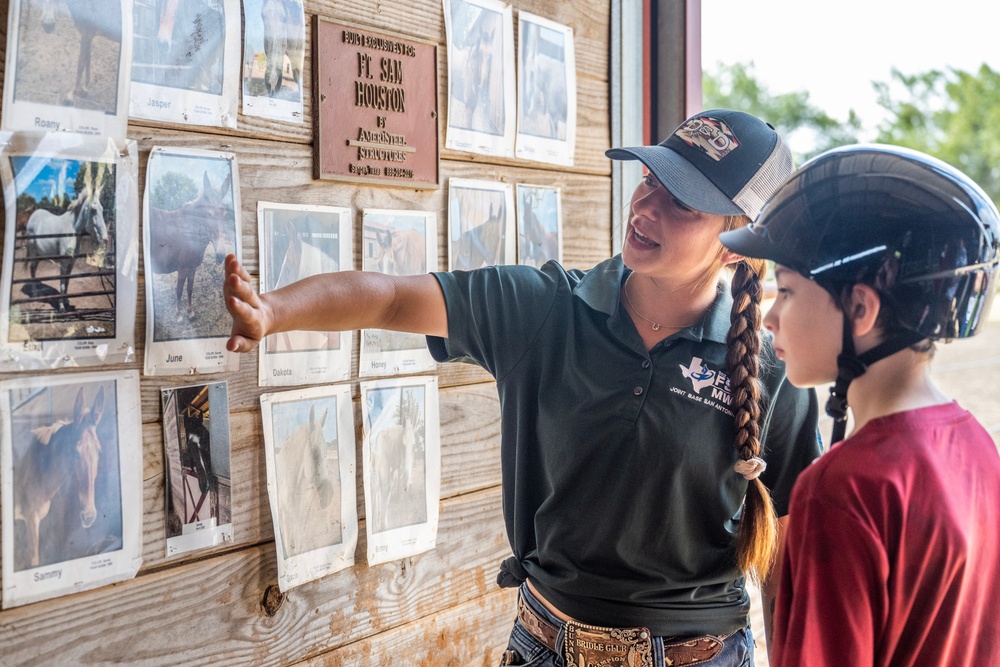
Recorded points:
(916, 229)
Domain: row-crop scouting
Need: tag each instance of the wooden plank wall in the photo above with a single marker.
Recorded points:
(439, 608)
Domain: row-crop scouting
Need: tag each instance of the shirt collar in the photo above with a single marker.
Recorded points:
(600, 288)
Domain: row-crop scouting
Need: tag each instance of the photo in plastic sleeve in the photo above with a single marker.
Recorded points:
(539, 224)
(184, 61)
(397, 243)
(70, 256)
(190, 223)
(68, 66)
(481, 224)
(481, 80)
(546, 90)
(274, 34)
(72, 483)
(299, 241)
(197, 466)
(311, 485)
(402, 466)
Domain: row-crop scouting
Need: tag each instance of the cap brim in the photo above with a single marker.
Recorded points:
(679, 176)
(744, 241)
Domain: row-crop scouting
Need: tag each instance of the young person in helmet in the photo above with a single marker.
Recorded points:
(892, 550)
(637, 404)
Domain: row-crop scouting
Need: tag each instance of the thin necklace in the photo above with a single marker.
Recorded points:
(655, 325)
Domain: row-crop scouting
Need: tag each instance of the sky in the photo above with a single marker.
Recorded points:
(834, 50)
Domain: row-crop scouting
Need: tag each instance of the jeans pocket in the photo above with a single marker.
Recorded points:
(526, 651)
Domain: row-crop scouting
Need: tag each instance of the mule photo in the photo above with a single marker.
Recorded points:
(307, 472)
(476, 69)
(63, 497)
(182, 241)
(396, 466)
(69, 52)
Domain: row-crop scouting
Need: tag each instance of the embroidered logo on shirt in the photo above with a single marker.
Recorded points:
(701, 377)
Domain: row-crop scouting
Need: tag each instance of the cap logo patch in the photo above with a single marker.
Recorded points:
(710, 136)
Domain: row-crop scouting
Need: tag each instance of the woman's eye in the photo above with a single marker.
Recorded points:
(649, 180)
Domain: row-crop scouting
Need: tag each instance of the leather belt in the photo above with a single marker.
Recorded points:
(625, 646)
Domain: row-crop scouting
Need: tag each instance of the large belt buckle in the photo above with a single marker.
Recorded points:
(592, 646)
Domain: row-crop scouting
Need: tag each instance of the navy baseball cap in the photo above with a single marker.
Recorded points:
(718, 161)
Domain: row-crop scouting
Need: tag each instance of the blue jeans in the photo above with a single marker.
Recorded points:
(737, 650)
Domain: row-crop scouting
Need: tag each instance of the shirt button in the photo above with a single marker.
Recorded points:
(645, 364)
(637, 391)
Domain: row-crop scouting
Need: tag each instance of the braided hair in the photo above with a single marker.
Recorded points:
(756, 542)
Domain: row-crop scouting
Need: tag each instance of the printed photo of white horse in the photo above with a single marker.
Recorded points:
(539, 225)
(66, 473)
(69, 53)
(189, 229)
(301, 244)
(63, 270)
(396, 468)
(307, 472)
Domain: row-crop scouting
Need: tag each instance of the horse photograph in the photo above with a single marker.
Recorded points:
(480, 233)
(190, 226)
(480, 76)
(539, 225)
(401, 466)
(180, 44)
(196, 448)
(69, 57)
(273, 56)
(67, 480)
(546, 90)
(63, 273)
(310, 455)
(396, 243)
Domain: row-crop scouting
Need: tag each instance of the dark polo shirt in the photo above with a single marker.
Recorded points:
(619, 492)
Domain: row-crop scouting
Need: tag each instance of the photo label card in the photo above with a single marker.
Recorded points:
(71, 469)
(190, 215)
(297, 242)
(310, 449)
(70, 258)
(197, 463)
(402, 466)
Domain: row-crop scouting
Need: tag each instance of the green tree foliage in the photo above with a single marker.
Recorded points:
(173, 190)
(950, 114)
(799, 121)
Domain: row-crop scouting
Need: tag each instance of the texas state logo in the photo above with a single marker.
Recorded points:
(702, 377)
(711, 136)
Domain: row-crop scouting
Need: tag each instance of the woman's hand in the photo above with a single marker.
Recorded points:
(251, 314)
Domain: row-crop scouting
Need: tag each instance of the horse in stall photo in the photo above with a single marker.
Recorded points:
(179, 239)
(55, 237)
(308, 493)
(64, 452)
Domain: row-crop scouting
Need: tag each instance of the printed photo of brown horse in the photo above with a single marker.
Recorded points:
(67, 483)
(476, 69)
(69, 53)
(190, 229)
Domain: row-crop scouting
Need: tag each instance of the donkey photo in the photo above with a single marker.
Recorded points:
(67, 485)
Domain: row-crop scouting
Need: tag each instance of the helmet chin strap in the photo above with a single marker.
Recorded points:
(851, 365)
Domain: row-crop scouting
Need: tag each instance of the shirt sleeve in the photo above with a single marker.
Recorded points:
(494, 314)
(832, 593)
(791, 438)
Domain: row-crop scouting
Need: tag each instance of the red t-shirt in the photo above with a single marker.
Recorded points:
(892, 556)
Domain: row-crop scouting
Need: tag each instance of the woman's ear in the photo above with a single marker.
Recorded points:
(865, 304)
(729, 257)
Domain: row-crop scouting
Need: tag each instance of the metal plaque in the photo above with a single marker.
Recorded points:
(376, 106)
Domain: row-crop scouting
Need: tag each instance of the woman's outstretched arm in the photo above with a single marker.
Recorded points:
(341, 301)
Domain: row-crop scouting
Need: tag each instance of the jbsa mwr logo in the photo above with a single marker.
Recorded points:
(702, 376)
